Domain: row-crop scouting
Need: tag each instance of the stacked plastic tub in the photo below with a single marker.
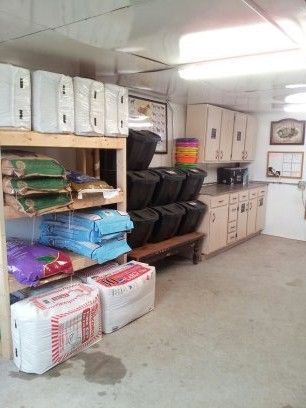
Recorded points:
(186, 152)
(161, 201)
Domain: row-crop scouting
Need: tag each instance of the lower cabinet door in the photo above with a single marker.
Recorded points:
(242, 220)
(218, 228)
(252, 210)
(261, 213)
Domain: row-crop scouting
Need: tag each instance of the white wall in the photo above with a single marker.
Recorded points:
(285, 210)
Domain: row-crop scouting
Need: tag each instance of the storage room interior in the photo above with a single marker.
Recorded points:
(152, 204)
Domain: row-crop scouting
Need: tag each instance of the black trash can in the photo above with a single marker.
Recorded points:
(141, 146)
(169, 185)
(166, 226)
(144, 221)
(140, 188)
(192, 184)
(194, 213)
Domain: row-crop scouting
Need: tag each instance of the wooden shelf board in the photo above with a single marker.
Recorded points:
(13, 138)
(78, 262)
(149, 249)
(88, 201)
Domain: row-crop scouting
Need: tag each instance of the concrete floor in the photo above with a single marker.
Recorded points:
(227, 333)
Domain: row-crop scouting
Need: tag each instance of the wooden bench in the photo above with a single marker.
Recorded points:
(151, 253)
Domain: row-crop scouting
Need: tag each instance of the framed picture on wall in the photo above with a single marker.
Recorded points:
(287, 132)
(146, 114)
(285, 164)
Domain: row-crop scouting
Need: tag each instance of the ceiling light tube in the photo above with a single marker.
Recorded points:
(296, 98)
(295, 108)
(292, 60)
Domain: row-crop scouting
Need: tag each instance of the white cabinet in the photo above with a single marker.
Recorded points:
(261, 209)
(239, 137)
(226, 135)
(250, 138)
(232, 217)
(212, 136)
(218, 228)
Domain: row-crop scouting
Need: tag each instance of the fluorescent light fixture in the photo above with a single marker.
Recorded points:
(138, 118)
(296, 107)
(232, 42)
(295, 86)
(296, 98)
(292, 60)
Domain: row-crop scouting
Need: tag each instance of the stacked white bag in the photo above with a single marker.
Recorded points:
(53, 326)
(15, 97)
(52, 102)
(116, 110)
(127, 292)
(88, 107)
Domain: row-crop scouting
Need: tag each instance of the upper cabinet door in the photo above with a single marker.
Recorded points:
(196, 125)
(226, 135)
(250, 138)
(238, 150)
(213, 130)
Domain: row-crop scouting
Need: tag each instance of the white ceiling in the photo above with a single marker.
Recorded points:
(137, 43)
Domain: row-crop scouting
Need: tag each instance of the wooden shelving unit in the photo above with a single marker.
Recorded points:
(18, 139)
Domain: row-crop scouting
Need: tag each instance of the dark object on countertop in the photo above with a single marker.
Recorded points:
(232, 175)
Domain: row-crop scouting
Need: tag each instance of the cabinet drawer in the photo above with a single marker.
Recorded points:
(233, 199)
(219, 201)
(231, 237)
(232, 226)
(232, 212)
(253, 194)
(244, 196)
(262, 191)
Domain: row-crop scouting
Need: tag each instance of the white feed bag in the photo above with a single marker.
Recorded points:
(116, 110)
(15, 97)
(127, 292)
(99, 270)
(50, 328)
(88, 107)
(52, 102)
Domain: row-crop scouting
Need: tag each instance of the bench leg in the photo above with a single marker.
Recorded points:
(197, 257)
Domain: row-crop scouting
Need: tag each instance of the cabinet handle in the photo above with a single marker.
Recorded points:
(221, 154)
(250, 205)
(214, 217)
(242, 155)
(246, 155)
(217, 154)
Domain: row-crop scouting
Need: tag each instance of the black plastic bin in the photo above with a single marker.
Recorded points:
(194, 213)
(192, 185)
(144, 221)
(166, 227)
(140, 188)
(169, 185)
(141, 146)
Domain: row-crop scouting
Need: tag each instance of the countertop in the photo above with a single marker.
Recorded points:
(219, 189)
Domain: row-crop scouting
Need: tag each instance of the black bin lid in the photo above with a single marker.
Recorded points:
(168, 173)
(194, 171)
(170, 209)
(192, 205)
(144, 176)
(147, 214)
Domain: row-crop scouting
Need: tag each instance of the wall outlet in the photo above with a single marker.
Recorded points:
(302, 185)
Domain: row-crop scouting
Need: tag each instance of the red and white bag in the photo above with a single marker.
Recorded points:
(50, 328)
(127, 292)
